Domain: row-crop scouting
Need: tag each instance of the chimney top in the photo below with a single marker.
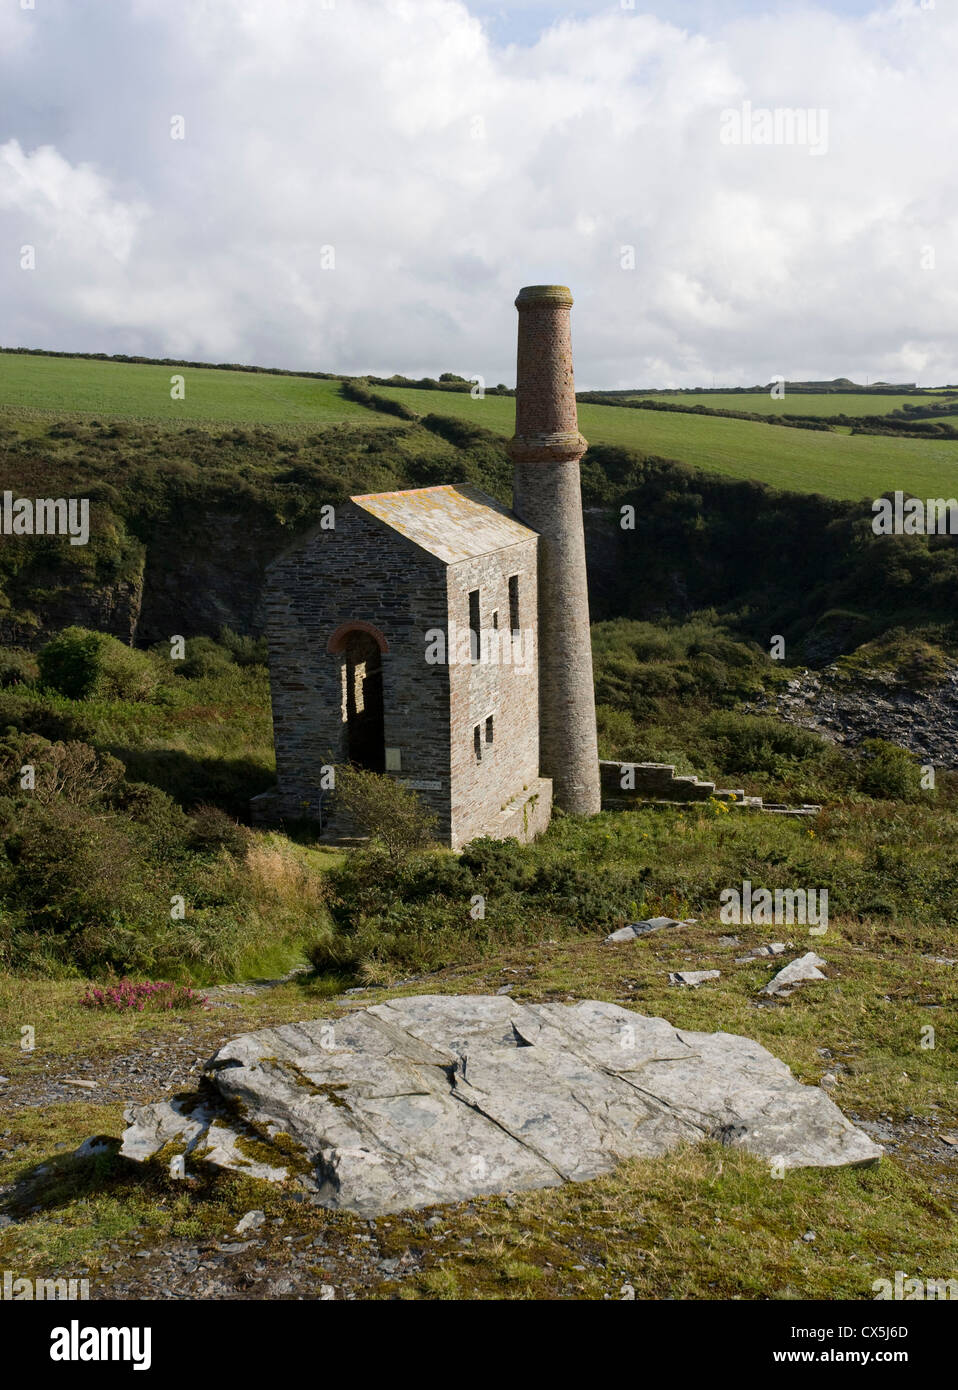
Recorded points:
(556, 294)
(547, 429)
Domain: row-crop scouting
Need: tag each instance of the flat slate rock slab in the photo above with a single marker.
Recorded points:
(632, 930)
(440, 1098)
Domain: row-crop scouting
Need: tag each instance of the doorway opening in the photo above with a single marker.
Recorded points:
(363, 710)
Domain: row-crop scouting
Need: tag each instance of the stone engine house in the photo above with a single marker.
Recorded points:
(437, 637)
(404, 641)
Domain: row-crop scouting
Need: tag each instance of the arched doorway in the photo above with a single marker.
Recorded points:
(360, 649)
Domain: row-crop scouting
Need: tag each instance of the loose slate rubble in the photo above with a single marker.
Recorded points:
(631, 930)
(795, 973)
(774, 948)
(692, 978)
(441, 1098)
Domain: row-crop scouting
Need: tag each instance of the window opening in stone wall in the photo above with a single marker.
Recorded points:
(477, 742)
(489, 730)
(514, 603)
(474, 639)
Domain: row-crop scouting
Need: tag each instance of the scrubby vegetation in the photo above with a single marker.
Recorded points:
(138, 788)
(120, 848)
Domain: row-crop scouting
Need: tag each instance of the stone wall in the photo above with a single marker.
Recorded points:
(503, 686)
(358, 572)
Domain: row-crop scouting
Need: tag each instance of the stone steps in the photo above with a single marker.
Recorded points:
(659, 784)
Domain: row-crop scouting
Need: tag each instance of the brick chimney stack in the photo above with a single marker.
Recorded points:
(547, 497)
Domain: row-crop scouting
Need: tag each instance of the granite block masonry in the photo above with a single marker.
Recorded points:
(365, 618)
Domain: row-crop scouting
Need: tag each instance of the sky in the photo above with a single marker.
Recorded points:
(733, 191)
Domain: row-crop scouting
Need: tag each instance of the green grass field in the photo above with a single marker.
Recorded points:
(794, 402)
(57, 386)
(836, 465)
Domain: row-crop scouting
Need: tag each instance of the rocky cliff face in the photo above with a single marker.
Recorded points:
(212, 576)
(112, 608)
(849, 708)
(189, 580)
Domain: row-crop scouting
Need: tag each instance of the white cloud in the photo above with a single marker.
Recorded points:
(447, 171)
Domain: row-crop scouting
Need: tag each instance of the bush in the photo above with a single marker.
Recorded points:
(213, 829)
(204, 657)
(82, 664)
(755, 743)
(888, 772)
(78, 881)
(497, 865)
(17, 667)
(385, 810)
(616, 730)
(245, 651)
(71, 772)
(923, 665)
(165, 822)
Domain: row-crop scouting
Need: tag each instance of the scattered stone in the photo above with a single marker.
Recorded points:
(801, 969)
(235, 1247)
(631, 930)
(774, 948)
(250, 1222)
(627, 1293)
(98, 1144)
(693, 978)
(440, 1098)
(3, 1080)
(829, 1080)
(506, 989)
(729, 941)
(937, 960)
(78, 1081)
(808, 1237)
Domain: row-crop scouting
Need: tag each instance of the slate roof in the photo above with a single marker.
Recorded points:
(453, 522)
